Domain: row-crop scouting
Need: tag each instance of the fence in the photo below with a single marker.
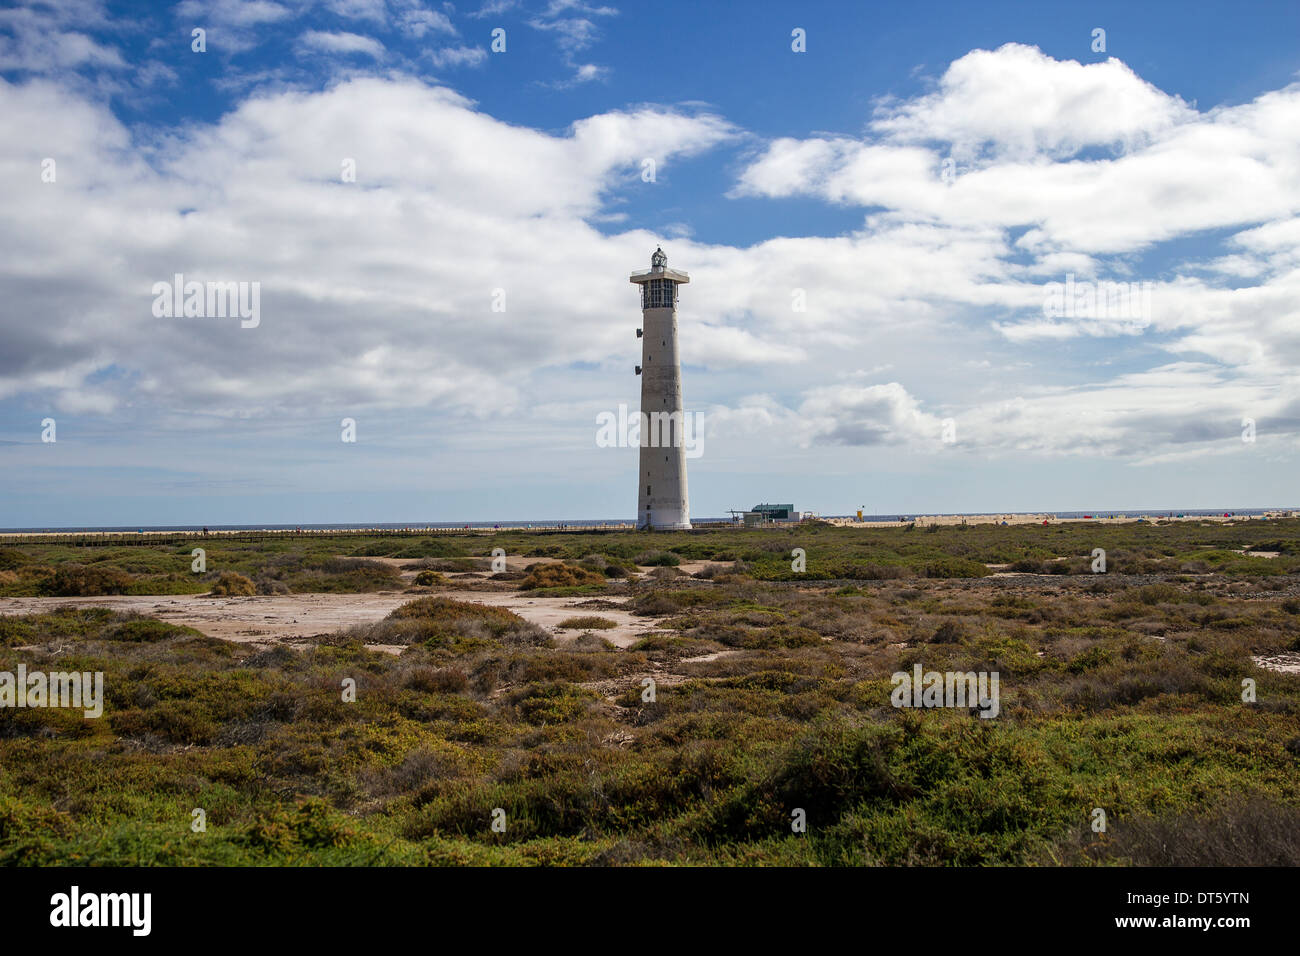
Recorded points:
(120, 539)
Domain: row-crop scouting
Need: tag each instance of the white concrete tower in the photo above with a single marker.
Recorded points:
(662, 502)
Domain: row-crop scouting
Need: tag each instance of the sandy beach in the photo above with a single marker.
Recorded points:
(1101, 517)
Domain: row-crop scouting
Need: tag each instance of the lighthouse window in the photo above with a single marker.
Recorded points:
(658, 294)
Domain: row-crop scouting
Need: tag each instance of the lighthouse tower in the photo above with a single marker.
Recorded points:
(661, 480)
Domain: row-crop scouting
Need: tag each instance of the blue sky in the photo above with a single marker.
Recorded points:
(918, 176)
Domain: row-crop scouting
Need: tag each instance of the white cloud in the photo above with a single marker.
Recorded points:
(573, 34)
(375, 11)
(1182, 409)
(588, 72)
(341, 42)
(1018, 103)
(492, 8)
(866, 415)
(378, 293)
(233, 26)
(452, 57)
(233, 13)
(1093, 166)
(418, 21)
(52, 40)
(999, 143)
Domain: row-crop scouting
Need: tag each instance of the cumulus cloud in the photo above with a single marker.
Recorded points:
(999, 143)
(464, 272)
(866, 415)
(382, 288)
(1174, 410)
(1056, 173)
(1018, 103)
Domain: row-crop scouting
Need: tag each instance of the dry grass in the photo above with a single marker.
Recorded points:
(231, 584)
(559, 576)
(590, 623)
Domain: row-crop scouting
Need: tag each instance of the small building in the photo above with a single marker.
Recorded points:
(769, 514)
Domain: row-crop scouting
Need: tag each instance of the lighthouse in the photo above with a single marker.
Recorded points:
(662, 503)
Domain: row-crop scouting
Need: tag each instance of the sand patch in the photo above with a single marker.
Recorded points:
(1287, 662)
(304, 618)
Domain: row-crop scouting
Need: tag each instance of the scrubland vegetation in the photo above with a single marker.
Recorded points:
(339, 564)
(1120, 691)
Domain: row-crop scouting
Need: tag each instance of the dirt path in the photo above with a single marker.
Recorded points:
(271, 619)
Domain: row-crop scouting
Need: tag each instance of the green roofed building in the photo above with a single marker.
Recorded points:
(762, 514)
